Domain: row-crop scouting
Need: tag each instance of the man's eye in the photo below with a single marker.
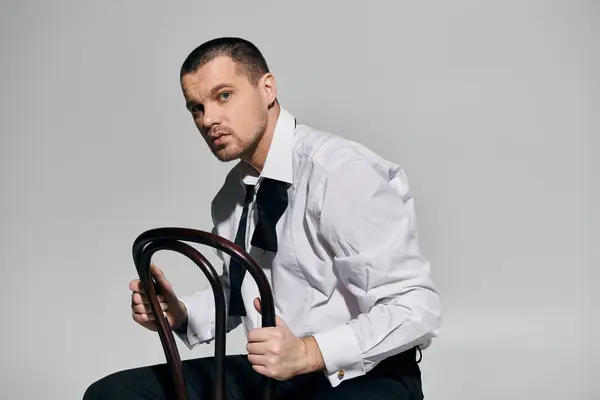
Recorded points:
(224, 96)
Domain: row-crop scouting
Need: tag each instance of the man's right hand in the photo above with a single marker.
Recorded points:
(172, 307)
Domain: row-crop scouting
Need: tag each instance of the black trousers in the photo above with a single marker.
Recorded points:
(397, 377)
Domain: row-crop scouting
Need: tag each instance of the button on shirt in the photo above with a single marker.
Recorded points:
(348, 270)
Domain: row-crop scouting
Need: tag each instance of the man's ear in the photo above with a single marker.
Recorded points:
(270, 89)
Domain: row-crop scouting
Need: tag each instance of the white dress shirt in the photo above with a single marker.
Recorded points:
(348, 271)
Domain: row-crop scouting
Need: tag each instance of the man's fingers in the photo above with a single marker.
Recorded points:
(141, 310)
(145, 317)
(136, 286)
(263, 334)
(257, 359)
(258, 307)
(146, 308)
(257, 348)
(137, 298)
(146, 322)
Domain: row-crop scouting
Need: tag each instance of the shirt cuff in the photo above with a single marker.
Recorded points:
(341, 354)
(200, 323)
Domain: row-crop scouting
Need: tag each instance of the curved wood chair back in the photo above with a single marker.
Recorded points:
(173, 238)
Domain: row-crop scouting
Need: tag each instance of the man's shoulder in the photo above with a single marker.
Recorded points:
(325, 151)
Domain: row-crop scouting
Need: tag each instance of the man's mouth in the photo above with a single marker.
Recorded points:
(218, 138)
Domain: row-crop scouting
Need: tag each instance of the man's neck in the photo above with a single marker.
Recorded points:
(259, 155)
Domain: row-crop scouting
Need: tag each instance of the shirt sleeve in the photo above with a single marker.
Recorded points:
(367, 221)
(200, 308)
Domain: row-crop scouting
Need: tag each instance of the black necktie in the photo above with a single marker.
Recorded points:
(271, 202)
(236, 271)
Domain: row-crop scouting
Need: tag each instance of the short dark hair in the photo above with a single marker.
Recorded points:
(245, 54)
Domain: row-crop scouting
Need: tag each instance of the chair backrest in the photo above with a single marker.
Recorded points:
(173, 238)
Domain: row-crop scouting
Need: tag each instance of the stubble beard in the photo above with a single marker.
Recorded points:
(243, 148)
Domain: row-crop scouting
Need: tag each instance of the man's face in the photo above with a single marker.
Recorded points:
(230, 112)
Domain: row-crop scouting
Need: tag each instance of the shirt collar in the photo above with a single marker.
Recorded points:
(278, 164)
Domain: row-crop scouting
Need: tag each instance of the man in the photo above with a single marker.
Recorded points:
(333, 226)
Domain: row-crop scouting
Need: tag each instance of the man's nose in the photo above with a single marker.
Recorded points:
(210, 118)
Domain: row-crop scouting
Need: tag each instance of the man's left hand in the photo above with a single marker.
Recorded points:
(277, 353)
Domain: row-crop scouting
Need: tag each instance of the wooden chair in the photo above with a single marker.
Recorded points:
(154, 240)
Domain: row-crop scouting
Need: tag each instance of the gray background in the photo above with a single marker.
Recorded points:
(491, 107)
